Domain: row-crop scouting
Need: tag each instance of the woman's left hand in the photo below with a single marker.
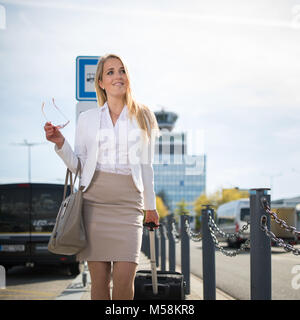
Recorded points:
(152, 216)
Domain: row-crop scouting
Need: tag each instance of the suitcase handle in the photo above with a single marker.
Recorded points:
(151, 225)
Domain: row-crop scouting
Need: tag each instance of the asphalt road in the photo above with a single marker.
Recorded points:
(233, 274)
(37, 283)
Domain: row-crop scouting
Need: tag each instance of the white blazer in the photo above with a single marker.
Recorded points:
(87, 148)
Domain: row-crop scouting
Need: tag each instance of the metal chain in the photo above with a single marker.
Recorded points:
(286, 246)
(196, 237)
(281, 222)
(228, 235)
(175, 232)
(228, 253)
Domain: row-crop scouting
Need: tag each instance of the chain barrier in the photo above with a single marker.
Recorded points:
(280, 242)
(228, 235)
(196, 237)
(287, 247)
(229, 253)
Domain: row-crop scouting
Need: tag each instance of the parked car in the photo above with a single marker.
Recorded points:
(27, 216)
(231, 217)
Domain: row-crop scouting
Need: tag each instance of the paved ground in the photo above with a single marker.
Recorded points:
(76, 291)
(233, 274)
(38, 283)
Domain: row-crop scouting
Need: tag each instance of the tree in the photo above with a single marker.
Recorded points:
(180, 210)
(162, 194)
(202, 200)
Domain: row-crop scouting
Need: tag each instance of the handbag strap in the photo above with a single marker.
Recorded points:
(78, 170)
(69, 175)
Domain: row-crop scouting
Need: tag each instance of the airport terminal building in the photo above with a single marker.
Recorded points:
(178, 175)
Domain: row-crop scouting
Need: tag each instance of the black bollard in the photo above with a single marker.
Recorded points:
(147, 245)
(260, 247)
(157, 251)
(185, 252)
(208, 257)
(172, 252)
(162, 245)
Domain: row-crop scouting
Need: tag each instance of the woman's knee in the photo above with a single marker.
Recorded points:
(100, 272)
(124, 273)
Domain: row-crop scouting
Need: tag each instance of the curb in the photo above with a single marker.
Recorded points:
(75, 290)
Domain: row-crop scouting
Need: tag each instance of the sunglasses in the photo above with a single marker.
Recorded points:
(60, 126)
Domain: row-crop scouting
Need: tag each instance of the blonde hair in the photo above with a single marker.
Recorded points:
(144, 116)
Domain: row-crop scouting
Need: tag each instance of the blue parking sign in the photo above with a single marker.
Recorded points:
(85, 75)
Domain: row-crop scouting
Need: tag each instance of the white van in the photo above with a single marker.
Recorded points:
(231, 217)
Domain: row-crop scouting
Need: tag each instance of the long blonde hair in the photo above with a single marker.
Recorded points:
(141, 112)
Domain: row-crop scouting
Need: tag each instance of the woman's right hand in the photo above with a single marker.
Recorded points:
(54, 135)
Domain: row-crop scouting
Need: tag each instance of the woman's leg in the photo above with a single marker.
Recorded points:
(100, 272)
(123, 280)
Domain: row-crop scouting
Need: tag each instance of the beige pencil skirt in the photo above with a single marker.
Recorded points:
(113, 218)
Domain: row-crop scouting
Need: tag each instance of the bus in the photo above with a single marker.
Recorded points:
(27, 216)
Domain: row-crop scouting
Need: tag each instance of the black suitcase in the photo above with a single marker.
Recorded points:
(158, 285)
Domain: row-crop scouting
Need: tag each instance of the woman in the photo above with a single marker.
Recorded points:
(115, 146)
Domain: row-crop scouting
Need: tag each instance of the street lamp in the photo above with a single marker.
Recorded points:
(29, 145)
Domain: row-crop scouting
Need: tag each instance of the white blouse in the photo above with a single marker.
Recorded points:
(113, 148)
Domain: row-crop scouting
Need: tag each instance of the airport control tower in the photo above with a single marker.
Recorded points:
(166, 120)
(178, 175)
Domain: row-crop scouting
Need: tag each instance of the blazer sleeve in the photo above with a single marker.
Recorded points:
(66, 153)
(148, 181)
(147, 171)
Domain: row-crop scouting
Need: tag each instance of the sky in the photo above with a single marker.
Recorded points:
(228, 68)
